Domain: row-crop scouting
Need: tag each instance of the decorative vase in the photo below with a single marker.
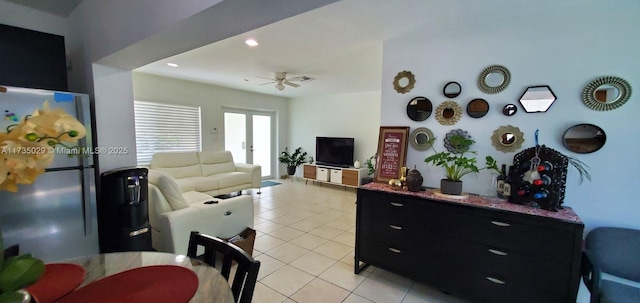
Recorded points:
(291, 170)
(356, 164)
(450, 187)
(414, 180)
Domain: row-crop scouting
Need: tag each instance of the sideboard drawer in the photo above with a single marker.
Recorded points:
(400, 258)
(336, 176)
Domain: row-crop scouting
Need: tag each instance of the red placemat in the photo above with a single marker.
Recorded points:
(58, 280)
(158, 284)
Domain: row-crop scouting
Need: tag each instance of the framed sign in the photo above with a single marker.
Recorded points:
(392, 152)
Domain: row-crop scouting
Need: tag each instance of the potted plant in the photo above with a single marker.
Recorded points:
(457, 164)
(292, 161)
(16, 273)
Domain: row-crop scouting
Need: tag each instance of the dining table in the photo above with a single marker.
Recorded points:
(212, 286)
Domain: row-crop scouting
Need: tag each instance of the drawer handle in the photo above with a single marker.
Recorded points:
(397, 204)
(396, 227)
(497, 281)
(497, 252)
(227, 213)
(498, 223)
(397, 251)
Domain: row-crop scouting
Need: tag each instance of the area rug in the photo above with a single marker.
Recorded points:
(268, 183)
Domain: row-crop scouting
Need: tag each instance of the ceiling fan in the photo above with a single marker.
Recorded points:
(280, 79)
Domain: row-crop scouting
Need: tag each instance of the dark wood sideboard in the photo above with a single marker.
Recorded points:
(481, 248)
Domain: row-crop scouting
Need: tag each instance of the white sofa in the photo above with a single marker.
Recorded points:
(174, 213)
(212, 173)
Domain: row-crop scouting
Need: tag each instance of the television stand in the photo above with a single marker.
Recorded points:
(345, 176)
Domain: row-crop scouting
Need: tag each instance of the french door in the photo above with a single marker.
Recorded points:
(249, 135)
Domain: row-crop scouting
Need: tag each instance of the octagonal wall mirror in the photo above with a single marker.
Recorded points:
(507, 138)
(448, 113)
(421, 138)
(404, 82)
(452, 89)
(477, 108)
(606, 93)
(419, 109)
(584, 138)
(509, 109)
(537, 99)
(494, 79)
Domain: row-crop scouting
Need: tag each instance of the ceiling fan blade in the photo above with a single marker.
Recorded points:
(266, 78)
(267, 83)
(299, 78)
(290, 84)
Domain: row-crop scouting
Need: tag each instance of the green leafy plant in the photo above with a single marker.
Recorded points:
(17, 272)
(457, 164)
(581, 167)
(370, 163)
(292, 160)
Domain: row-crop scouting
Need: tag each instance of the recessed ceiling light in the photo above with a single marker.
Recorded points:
(251, 42)
(172, 64)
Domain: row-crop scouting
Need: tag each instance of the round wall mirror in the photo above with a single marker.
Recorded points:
(507, 138)
(584, 138)
(420, 138)
(404, 82)
(477, 108)
(448, 113)
(452, 89)
(494, 79)
(419, 109)
(606, 93)
(509, 109)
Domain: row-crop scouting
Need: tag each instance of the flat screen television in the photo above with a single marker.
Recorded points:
(334, 151)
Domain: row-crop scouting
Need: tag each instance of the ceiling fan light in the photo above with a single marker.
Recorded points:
(251, 42)
(280, 86)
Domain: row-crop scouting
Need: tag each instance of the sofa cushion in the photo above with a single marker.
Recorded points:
(196, 198)
(216, 162)
(231, 179)
(185, 184)
(169, 188)
(205, 184)
(178, 165)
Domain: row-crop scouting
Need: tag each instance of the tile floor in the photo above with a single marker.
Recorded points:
(305, 243)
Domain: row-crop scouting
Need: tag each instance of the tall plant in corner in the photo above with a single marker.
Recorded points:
(292, 161)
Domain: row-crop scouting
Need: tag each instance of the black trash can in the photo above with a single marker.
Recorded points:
(123, 210)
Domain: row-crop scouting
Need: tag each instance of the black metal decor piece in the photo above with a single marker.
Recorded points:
(538, 178)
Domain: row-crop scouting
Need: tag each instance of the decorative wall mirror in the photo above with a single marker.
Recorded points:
(419, 109)
(477, 108)
(452, 89)
(509, 109)
(420, 138)
(606, 93)
(584, 138)
(452, 147)
(448, 113)
(507, 138)
(537, 99)
(404, 82)
(494, 79)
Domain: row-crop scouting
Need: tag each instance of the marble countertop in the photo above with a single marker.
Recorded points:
(566, 214)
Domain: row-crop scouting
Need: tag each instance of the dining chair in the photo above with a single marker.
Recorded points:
(246, 275)
(613, 251)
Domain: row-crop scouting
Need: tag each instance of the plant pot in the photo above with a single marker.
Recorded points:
(291, 170)
(450, 187)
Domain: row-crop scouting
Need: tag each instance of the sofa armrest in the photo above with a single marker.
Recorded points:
(254, 170)
(225, 219)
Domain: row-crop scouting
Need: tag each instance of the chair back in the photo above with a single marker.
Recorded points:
(246, 275)
(616, 251)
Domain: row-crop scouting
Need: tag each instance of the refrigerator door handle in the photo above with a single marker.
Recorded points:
(86, 200)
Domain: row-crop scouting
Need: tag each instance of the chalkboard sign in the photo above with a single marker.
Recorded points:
(392, 152)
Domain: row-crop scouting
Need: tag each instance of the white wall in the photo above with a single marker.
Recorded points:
(565, 45)
(21, 16)
(344, 115)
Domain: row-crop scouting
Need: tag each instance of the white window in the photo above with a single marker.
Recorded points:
(164, 127)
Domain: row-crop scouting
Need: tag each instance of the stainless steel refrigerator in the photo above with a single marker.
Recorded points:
(54, 218)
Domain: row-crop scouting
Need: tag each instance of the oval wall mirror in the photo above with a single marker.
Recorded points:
(448, 113)
(606, 93)
(477, 108)
(452, 89)
(404, 82)
(494, 79)
(584, 138)
(420, 138)
(507, 138)
(509, 109)
(419, 109)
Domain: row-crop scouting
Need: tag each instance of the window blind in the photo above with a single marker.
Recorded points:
(164, 127)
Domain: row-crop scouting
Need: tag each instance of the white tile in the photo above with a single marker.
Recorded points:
(310, 293)
(422, 293)
(286, 252)
(286, 220)
(301, 213)
(383, 286)
(341, 274)
(287, 280)
(264, 294)
(346, 238)
(334, 213)
(266, 242)
(286, 233)
(313, 263)
(306, 225)
(353, 298)
(268, 265)
(326, 232)
(333, 250)
(267, 226)
(349, 259)
(308, 241)
(320, 219)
